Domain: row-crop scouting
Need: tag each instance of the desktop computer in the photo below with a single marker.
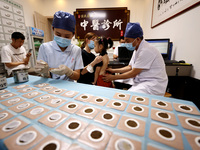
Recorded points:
(124, 55)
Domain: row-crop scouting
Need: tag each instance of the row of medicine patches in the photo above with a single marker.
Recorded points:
(91, 134)
(98, 100)
(90, 113)
(135, 109)
(130, 122)
(119, 105)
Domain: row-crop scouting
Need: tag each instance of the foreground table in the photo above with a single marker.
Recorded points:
(48, 113)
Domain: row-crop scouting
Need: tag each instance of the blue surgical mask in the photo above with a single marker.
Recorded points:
(122, 45)
(130, 46)
(91, 44)
(62, 42)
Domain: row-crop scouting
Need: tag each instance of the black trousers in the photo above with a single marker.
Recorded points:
(119, 85)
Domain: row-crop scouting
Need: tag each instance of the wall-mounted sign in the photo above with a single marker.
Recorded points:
(37, 32)
(107, 22)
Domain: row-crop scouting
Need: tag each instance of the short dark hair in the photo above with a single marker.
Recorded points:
(17, 35)
(121, 38)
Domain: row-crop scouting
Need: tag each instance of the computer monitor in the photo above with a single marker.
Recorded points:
(162, 46)
(124, 55)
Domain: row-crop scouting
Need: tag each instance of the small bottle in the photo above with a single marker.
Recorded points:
(3, 81)
(20, 75)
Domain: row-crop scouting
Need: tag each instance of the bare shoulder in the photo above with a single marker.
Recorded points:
(105, 58)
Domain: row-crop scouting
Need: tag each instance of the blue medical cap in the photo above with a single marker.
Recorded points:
(64, 20)
(133, 30)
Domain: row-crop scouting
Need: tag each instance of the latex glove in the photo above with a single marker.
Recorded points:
(42, 67)
(61, 70)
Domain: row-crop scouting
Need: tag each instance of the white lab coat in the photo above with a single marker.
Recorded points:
(54, 56)
(153, 78)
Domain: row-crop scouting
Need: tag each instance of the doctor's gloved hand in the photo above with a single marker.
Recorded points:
(61, 70)
(42, 68)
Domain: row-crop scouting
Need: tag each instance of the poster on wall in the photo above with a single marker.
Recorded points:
(164, 10)
(107, 22)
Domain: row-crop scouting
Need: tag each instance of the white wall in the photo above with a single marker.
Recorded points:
(51, 6)
(29, 7)
(183, 30)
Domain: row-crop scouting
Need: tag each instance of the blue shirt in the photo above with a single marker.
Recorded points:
(54, 56)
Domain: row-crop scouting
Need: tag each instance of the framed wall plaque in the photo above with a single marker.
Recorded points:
(164, 10)
(107, 22)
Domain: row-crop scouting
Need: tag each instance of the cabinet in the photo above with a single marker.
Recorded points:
(178, 70)
(11, 20)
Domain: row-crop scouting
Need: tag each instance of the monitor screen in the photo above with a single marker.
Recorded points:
(124, 55)
(162, 46)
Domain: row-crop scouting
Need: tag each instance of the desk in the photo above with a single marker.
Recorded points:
(107, 117)
(172, 69)
(117, 64)
(178, 69)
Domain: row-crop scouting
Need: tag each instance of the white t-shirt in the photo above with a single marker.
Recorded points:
(54, 56)
(153, 78)
(10, 54)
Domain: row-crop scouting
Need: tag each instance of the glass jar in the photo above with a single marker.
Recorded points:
(20, 75)
(3, 81)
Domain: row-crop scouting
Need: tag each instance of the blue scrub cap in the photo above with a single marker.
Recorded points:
(133, 30)
(64, 20)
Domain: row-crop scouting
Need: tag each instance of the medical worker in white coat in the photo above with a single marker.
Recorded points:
(59, 58)
(146, 67)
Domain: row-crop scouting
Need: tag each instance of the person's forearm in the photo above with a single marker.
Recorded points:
(130, 74)
(96, 74)
(122, 70)
(95, 78)
(93, 63)
(13, 64)
(75, 76)
(115, 56)
(84, 71)
(122, 76)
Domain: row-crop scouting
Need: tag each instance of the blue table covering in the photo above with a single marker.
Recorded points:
(110, 94)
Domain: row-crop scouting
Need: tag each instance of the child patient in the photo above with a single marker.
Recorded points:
(100, 46)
